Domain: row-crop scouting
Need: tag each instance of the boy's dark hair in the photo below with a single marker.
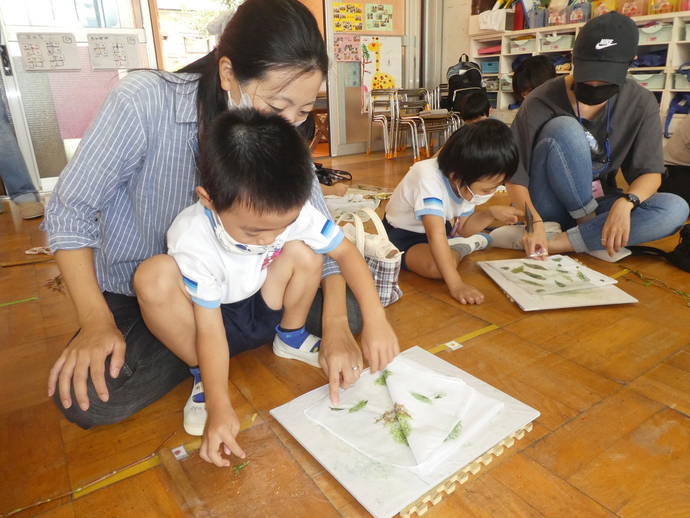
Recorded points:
(257, 160)
(531, 73)
(484, 149)
(474, 105)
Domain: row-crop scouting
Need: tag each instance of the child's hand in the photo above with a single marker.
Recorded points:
(466, 294)
(505, 214)
(379, 344)
(222, 427)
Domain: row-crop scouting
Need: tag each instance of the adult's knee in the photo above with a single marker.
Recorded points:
(673, 211)
(156, 279)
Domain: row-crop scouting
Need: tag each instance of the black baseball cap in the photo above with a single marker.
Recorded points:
(604, 49)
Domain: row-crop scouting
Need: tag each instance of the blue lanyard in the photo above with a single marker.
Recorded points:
(608, 119)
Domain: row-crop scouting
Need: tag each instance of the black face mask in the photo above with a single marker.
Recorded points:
(593, 95)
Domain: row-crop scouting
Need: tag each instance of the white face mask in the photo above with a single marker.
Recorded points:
(235, 247)
(478, 199)
(245, 101)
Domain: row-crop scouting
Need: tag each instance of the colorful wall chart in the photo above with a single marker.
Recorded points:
(347, 17)
(347, 47)
(379, 17)
(381, 65)
(41, 52)
(114, 51)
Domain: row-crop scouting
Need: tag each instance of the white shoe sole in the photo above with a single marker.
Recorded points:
(195, 429)
(290, 353)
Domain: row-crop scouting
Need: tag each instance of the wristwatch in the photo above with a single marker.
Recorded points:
(632, 198)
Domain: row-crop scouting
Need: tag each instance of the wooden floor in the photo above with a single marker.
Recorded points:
(612, 385)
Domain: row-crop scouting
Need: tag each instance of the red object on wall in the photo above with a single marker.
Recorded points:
(519, 20)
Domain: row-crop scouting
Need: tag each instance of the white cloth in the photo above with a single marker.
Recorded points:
(414, 419)
(424, 190)
(492, 20)
(374, 245)
(214, 276)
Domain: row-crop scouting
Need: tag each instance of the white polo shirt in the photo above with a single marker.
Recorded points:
(214, 276)
(424, 190)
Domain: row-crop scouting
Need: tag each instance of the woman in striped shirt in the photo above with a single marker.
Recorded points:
(135, 170)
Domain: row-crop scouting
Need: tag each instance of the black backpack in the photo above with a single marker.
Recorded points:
(680, 257)
(463, 78)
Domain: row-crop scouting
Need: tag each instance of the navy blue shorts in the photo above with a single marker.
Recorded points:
(249, 323)
(405, 239)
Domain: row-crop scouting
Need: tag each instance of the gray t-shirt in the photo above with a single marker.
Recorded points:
(634, 130)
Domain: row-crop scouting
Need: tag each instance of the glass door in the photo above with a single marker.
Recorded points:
(62, 59)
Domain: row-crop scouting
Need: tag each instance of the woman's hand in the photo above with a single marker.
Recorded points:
(222, 427)
(338, 355)
(509, 215)
(466, 294)
(535, 243)
(380, 344)
(87, 352)
(616, 230)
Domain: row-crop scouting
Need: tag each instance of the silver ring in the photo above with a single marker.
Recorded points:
(355, 368)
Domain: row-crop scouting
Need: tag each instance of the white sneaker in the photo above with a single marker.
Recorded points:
(195, 413)
(477, 242)
(509, 236)
(308, 352)
(604, 255)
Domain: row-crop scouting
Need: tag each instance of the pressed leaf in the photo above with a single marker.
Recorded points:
(519, 269)
(560, 284)
(359, 406)
(335, 408)
(454, 432)
(535, 276)
(535, 266)
(381, 380)
(421, 398)
(532, 283)
(582, 276)
(439, 396)
(505, 267)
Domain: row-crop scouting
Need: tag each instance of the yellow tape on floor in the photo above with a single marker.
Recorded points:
(464, 338)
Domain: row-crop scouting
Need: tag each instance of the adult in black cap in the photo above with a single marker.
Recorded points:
(574, 133)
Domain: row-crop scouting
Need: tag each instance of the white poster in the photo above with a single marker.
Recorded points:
(114, 51)
(41, 52)
(381, 65)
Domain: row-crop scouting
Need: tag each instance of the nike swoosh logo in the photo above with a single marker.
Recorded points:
(599, 46)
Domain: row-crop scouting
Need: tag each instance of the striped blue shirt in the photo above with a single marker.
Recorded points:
(133, 172)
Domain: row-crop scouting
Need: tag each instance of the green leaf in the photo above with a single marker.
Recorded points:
(359, 406)
(238, 468)
(454, 432)
(557, 259)
(505, 267)
(381, 380)
(421, 398)
(560, 284)
(535, 266)
(535, 276)
(582, 276)
(335, 408)
(532, 283)
(519, 269)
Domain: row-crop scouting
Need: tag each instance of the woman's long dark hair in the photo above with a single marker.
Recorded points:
(262, 36)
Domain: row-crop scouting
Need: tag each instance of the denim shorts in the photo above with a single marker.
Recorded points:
(249, 323)
(406, 239)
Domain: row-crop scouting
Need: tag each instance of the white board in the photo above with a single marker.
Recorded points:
(48, 51)
(601, 296)
(114, 51)
(385, 490)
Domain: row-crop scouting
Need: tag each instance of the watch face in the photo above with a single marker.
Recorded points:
(633, 199)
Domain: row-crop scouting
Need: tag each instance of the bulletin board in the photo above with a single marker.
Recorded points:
(389, 15)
